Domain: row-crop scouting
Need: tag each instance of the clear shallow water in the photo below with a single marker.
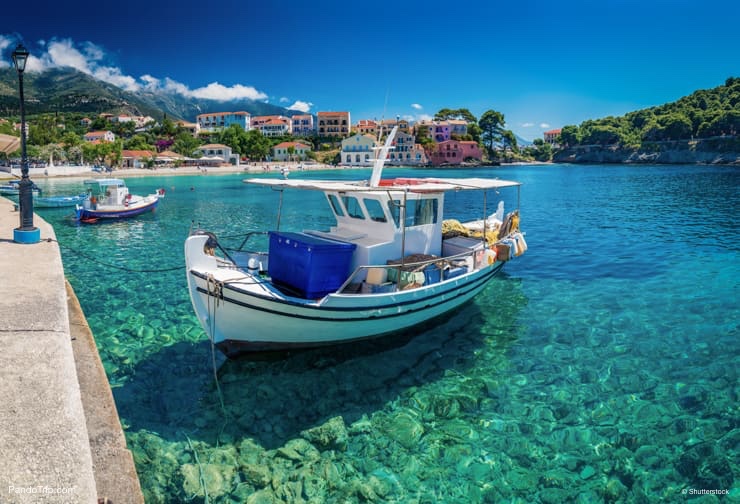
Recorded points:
(602, 366)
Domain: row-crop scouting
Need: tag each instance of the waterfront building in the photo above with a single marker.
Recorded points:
(333, 124)
(442, 131)
(136, 158)
(552, 136)
(454, 152)
(406, 151)
(386, 125)
(100, 136)
(366, 127)
(274, 126)
(192, 128)
(458, 127)
(217, 154)
(358, 150)
(302, 125)
(215, 121)
(280, 152)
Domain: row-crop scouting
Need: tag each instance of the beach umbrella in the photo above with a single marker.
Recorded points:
(9, 143)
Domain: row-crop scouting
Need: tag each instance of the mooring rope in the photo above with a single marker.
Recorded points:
(215, 289)
(114, 266)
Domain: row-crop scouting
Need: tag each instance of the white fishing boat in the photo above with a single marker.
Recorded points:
(386, 266)
(109, 198)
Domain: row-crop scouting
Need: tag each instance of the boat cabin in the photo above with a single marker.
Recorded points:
(386, 225)
(107, 192)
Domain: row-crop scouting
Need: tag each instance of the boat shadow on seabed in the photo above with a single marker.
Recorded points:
(273, 397)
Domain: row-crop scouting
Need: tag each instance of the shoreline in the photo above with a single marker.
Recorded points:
(261, 167)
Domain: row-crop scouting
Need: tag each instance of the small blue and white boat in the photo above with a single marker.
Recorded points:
(12, 188)
(109, 199)
(58, 201)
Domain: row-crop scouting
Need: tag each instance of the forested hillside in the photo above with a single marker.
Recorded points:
(703, 114)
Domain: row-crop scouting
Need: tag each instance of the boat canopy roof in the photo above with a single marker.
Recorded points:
(397, 184)
(104, 182)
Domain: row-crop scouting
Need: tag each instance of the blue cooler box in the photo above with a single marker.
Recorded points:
(312, 266)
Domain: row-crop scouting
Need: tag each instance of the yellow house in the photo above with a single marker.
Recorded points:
(333, 124)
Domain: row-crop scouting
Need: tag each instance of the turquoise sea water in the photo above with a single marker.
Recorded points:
(601, 366)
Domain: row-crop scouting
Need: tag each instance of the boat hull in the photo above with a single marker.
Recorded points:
(59, 201)
(85, 214)
(244, 313)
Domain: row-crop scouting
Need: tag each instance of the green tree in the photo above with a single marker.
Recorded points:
(475, 131)
(235, 137)
(90, 153)
(52, 153)
(463, 114)
(509, 140)
(138, 142)
(492, 125)
(570, 136)
(185, 144)
(676, 126)
(6, 128)
(257, 146)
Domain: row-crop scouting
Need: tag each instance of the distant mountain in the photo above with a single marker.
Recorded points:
(67, 90)
(522, 142)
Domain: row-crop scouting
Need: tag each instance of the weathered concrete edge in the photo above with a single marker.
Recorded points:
(113, 464)
(44, 442)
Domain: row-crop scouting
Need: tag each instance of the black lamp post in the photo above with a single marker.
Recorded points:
(27, 232)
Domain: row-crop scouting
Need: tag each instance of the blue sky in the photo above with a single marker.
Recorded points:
(542, 64)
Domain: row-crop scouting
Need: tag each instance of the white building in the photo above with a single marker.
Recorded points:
(358, 150)
(217, 154)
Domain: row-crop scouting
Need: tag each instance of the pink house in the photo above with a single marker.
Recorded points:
(455, 152)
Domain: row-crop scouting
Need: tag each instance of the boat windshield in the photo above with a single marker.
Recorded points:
(353, 207)
(418, 212)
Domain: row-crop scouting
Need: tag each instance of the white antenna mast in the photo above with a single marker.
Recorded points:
(382, 152)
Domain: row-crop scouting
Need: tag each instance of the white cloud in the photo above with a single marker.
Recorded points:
(219, 92)
(90, 58)
(5, 42)
(424, 117)
(527, 125)
(544, 125)
(301, 106)
(175, 87)
(416, 106)
(151, 83)
(62, 53)
(284, 99)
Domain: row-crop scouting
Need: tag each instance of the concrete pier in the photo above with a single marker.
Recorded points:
(60, 437)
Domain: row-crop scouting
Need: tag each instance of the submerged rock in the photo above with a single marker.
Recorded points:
(587, 472)
(404, 429)
(214, 480)
(256, 474)
(332, 435)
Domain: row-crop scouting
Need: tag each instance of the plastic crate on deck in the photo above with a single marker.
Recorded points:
(312, 266)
